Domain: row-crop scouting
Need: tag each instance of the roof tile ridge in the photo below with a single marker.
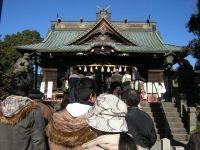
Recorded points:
(173, 45)
(121, 33)
(82, 34)
(159, 36)
(47, 37)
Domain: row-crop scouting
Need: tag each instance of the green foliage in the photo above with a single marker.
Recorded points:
(194, 26)
(194, 48)
(9, 55)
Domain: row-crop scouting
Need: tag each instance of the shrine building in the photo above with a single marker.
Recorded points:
(102, 45)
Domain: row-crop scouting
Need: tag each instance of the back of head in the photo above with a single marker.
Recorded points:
(85, 88)
(126, 85)
(36, 95)
(75, 70)
(185, 63)
(115, 86)
(21, 83)
(131, 97)
(127, 72)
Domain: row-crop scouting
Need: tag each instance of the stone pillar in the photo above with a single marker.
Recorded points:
(165, 144)
(178, 148)
(192, 119)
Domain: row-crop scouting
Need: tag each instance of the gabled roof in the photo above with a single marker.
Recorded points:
(132, 37)
(102, 27)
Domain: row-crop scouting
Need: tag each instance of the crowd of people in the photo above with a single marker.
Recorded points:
(89, 121)
(26, 123)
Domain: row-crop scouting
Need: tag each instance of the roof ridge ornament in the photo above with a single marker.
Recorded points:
(58, 19)
(103, 13)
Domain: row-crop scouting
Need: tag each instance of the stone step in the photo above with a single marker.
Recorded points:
(166, 131)
(179, 137)
(162, 113)
(171, 114)
(176, 136)
(176, 124)
(149, 109)
(168, 104)
(160, 117)
(171, 125)
(174, 119)
(178, 130)
(170, 109)
(146, 104)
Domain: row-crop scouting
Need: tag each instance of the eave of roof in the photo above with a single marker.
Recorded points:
(58, 40)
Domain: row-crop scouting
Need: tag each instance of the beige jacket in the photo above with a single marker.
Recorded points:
(106, 142)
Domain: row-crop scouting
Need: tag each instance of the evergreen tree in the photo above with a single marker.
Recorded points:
(194, 26)
(9, 55)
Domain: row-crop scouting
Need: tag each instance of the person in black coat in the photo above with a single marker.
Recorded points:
(73, 80)
(186, 82)
(140, 125)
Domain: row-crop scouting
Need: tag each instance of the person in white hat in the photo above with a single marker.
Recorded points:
(107, 119)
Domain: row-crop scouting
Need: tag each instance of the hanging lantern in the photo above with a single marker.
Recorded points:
(102, 69)
(125, 69)
(80, 68)
(114, 69)
(120, 69)
(108, 69)
(85, 69)
(96, 68)
(91, 69)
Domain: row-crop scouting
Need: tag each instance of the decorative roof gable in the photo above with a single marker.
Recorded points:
(103, 32)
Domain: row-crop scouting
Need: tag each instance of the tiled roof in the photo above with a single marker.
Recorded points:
(148, 42)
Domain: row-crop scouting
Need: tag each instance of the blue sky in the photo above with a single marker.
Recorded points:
(171, 15)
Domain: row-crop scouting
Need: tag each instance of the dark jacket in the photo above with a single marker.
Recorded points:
(73, 80)
(194, 141)
(24, 130)
(141, 127)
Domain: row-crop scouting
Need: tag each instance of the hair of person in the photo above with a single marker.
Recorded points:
(126, 142)
(21, 83)
(36, 94)
(99, 133)
(85, 87)
(131, 97)
(114, 85)
(75, 69)
(126, 85)
(127, 72)
(185, 63)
